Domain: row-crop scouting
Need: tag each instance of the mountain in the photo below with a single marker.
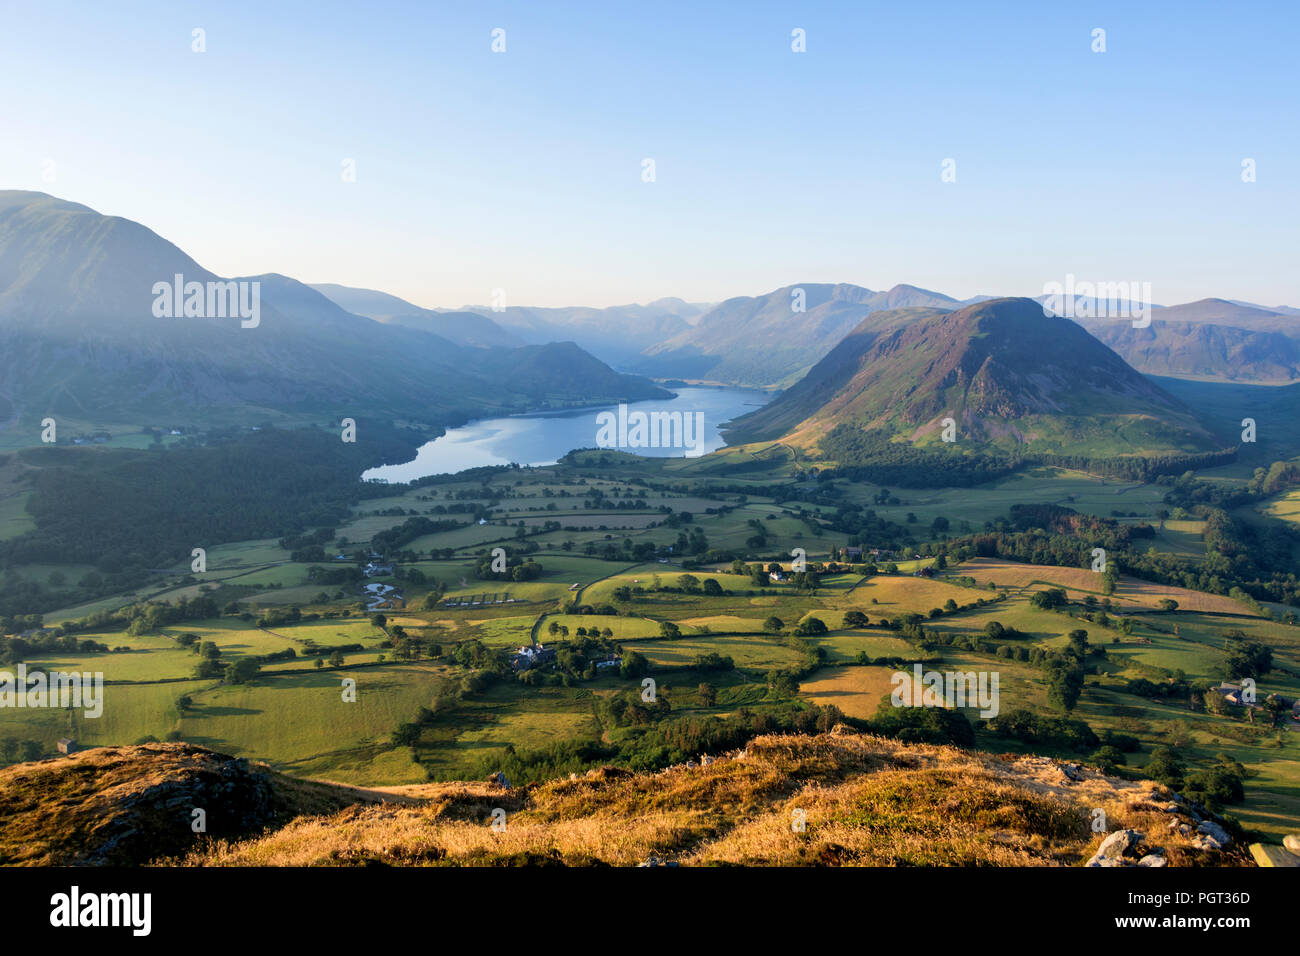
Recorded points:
(463, 328)
(617, 334)
(763, 341)
(1009, 375)
(1237, 315)
(1204, 351)
(81, 338)
(1208, 340)
(1279, 309)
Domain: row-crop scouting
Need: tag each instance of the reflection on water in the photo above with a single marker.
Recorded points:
(541, 438)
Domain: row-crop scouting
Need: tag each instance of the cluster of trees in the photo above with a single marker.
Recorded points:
(516, 568)
(1135, 468)
(15, 649)
(658, 743)
(873, 456)
(1215, 786)
(1039, 730)
(390, 540)
(127, 511)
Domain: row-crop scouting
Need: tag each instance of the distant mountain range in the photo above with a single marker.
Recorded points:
(80, 337)
(1007, 375)
(772, 340)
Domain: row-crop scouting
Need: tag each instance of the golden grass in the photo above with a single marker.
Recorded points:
(864, 801)
(1080, 582)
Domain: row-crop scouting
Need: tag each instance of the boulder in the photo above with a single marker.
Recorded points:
(1153, 859)
(1212, 829)
(1119, 843)
(1292, 842)
(1114, 847)
(1207, 842)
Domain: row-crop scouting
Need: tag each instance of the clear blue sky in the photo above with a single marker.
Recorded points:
(522, 170)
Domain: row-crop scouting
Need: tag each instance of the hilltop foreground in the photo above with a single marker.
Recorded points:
(863, 800)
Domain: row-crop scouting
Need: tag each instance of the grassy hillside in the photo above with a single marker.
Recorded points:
(1011, 378)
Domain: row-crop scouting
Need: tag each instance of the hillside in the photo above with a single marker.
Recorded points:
(1009, 375)
(78, 328)
(1236, 314)
(865, 801)
(1204, 351)
(463, 328)
(760, 341)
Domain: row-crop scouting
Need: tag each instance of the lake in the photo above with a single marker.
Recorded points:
(542, 438)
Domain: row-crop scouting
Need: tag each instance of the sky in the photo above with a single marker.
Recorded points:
(524, 170)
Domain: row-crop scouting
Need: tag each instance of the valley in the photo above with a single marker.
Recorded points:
(635, 568)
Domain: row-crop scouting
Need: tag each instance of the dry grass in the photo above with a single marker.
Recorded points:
(1080, 582)
(865, 801)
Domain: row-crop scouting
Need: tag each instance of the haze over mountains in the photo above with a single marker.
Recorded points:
(80, 338)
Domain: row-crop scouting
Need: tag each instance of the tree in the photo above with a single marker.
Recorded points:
(1167, 604)
(242, 671)
(1166, 767)
(712, 587)
(1246, 658)
(336, 659)
(688, 583)
(669, 630)
(810, 627)
(1049, 598)
(1108, 758)
(1065, 683)
(773, 625)
(708, 695)
(855, 619)
(635, 664)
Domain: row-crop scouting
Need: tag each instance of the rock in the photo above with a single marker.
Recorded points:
(1071, 771)
(1119, 843)
(1212, 829)
(1292, 842)
(1207, 842)
(1153, 859)
(499, 778)
(1172, 808)
(1104, 861)
(653, 860)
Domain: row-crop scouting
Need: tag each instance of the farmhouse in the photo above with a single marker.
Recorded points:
(852, 553)
(373, 570)
(528, 657)
(66, 745)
